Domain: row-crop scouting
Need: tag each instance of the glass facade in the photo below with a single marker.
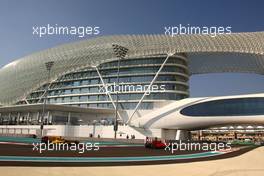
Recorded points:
(84, 87)
(227, 107)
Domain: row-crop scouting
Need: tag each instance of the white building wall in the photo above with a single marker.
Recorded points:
(78, 131)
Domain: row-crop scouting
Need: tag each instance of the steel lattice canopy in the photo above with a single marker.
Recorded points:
(237, 52)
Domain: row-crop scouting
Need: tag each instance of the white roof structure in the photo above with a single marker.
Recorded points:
(170, 116)
(237, 52)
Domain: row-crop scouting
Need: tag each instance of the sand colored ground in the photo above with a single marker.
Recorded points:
(248, 164)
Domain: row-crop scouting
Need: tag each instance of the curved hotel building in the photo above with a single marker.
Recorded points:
(141, 81)
(82, 87)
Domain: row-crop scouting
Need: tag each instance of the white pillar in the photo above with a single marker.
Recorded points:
(168, 134)
(183, 135)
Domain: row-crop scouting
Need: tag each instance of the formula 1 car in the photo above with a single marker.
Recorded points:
(155, 143)
(57, 140)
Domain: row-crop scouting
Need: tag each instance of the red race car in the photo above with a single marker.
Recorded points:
(155, 143)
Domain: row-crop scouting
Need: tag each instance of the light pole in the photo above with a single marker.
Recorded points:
(48, 66)
(120, 53)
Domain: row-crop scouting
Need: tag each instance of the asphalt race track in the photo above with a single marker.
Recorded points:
(23, 155)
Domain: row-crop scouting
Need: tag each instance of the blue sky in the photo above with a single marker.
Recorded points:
(131, 17)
